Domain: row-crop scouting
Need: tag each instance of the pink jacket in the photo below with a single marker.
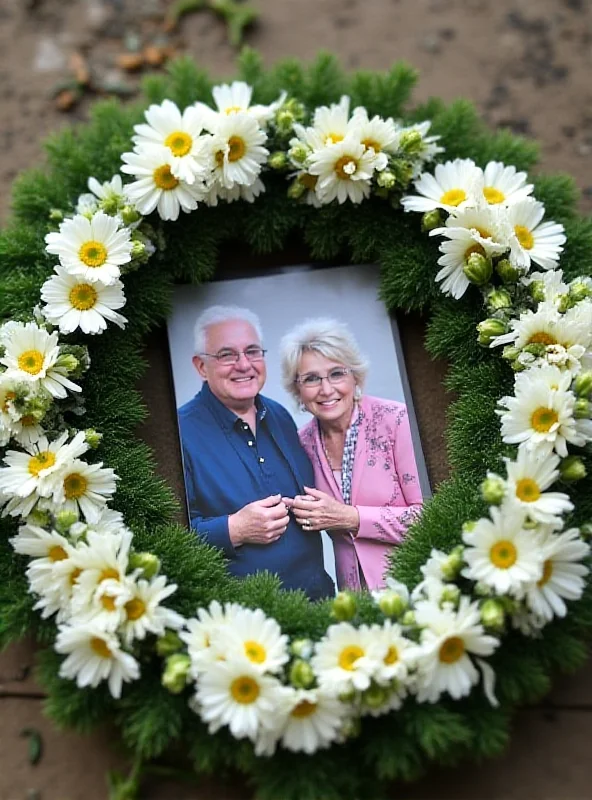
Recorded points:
(385, 490)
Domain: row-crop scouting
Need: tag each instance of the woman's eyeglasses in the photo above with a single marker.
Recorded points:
(312, 381)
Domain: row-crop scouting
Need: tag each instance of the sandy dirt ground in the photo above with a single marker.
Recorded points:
(525, 63)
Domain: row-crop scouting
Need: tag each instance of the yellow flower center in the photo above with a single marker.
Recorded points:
(74, 575)
(483, 232)
(308, 181)
(542, 338)
(304, 709)
(372, 143)
(57, 553)
(474, 248)
(28, 420)
(75, 485)
(451, 650)
(108, 573)
(392, 655)
(345, 167)
(245, 690)
(493, 195)
(232, 110)
(547, 572)
(527, 490)
(503, 554)
(524, 236)
(100, 647)
(41, 461)
(255, 652)
(179, 143)
(236, 148)
(31, 361)
(93, 254)
(108, 602)
(349, 656)
(8, 396)
(543, 419)
(333, 138)
(164, 179)
(135, 608)
(83, 296)
(453, 197)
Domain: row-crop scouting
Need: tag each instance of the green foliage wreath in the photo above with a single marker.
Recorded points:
(151, 719)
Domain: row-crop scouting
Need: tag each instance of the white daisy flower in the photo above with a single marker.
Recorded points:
(563, 577)
(400, 653)
(540, 415)
(381, 135)
(94, 249)
(235, 98)
(551, 282)
(105, 607)
(347, 658)
(314, 721)
(433, 583)
(110, 194)
(238, 192)
(27, 431)
(345, 170)
(237, 150)
(448, 639)
(504, 185)
(236, 694)
(84, 488)
(181, 133)
(94, 656)
(72, 302)
(454, 185)
(33, 474)
(532, 239)
(156, 187)
(104, 556)
(202, 633)
(143, 610)
(31, 356)
(501, 554)
(257, 638)
(429, 150)
(528, 477)
(331, 123)
(87, 205)
(478, 229)
(31, 540)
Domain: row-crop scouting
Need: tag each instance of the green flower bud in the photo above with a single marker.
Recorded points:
(347, 696)
(492, 615)
(67, 362)
(63, 520)
(579, 290)
(147, 562)
(403, 170)
(583, 384)
(450, 594)
(564, 303)
(489, 329)
(285, 120)
(296, 190)
(110, 205)
(497, 299)
(56, 215)
(509, 604)
(278, 160)
(537, 291)
(493, 490)
(302, 648)
(392, 604)
(411, 142)
(482, 590)
(295, 107)
(408, 619)
(93, 438)
(537, 349)
(478, 269)
(469, 526)
(582, 408)
(510, 353)
(80, 353)
(301, 674)
(344, 607)
(586, 531)
(506, 271)
(138, 249)
(517, 366)
(572, 469)
(40, 518)
(299, 153)
(176, 673)
(386, 179)
(431, 219)
(453, 563)
(375, 696)
(130, 215)
(168, 644)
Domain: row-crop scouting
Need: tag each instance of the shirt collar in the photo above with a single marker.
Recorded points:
(225, 416)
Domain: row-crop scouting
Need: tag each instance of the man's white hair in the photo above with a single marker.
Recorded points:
(216, 314)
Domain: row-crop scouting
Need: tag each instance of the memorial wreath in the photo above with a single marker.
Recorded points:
(141, 624)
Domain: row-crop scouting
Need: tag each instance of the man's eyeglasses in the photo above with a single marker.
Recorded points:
(228, 357)
(312, 381)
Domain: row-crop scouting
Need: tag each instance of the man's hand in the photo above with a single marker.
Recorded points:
(318, 511)
(261, 522)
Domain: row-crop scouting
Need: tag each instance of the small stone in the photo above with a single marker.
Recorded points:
(66, 100)
(130, 62)
(430, 43)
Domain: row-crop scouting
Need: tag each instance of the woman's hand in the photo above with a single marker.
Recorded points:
(318, 511)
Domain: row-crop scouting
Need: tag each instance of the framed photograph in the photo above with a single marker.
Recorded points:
(296, 424)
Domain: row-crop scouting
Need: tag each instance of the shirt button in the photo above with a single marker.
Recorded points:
(261, 460)
(250, 443)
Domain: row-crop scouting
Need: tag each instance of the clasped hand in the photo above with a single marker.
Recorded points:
(317, 511)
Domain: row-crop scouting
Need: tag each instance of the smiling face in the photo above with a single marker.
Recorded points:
(235, 385)
(331, 403)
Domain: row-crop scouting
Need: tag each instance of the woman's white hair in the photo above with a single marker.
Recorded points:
(330, 338)
(216, 314)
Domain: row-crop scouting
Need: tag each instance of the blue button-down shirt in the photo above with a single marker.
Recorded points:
(227, 467)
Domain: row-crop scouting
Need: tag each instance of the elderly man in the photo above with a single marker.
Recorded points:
(242, 455)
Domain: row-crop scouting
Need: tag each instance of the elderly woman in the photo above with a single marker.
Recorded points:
(367, 489)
